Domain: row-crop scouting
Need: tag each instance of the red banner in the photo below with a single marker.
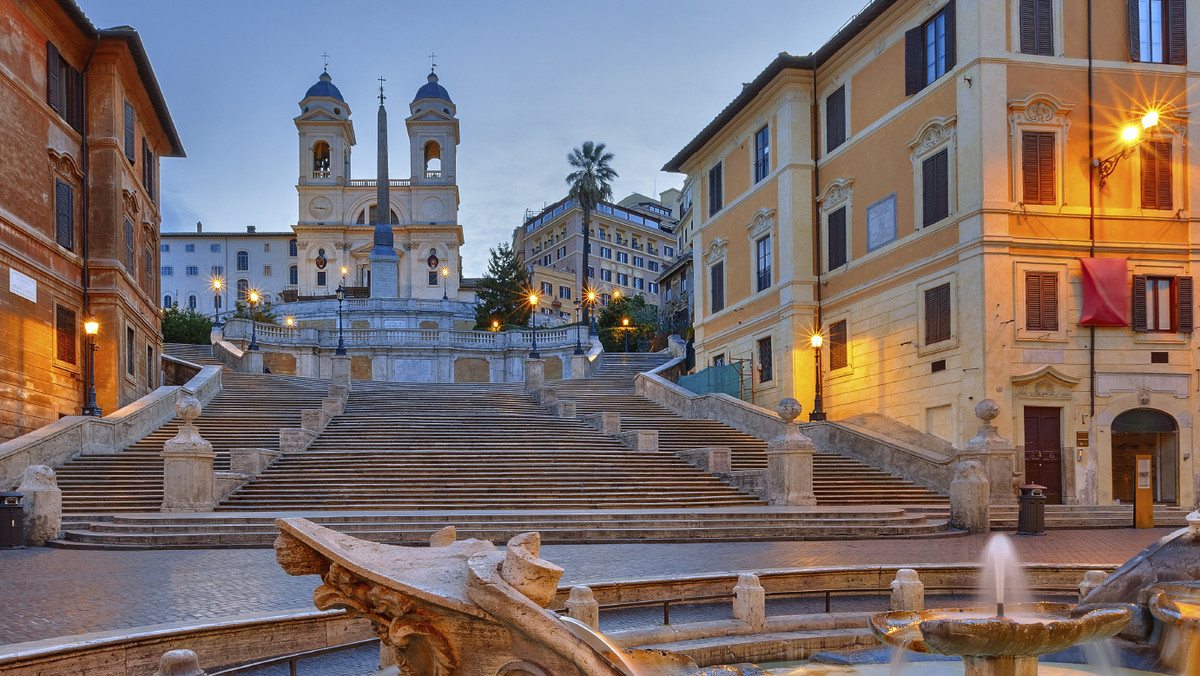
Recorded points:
(1105, 292)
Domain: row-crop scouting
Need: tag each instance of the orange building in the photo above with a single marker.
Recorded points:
(930, 191)
(85, 124)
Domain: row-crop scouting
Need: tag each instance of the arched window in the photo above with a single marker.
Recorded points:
(243, 288)
(192, 302)
(167, 301)
(293, 275)
(320, 160)
(243, 260)
(367, 216)
(433, 160)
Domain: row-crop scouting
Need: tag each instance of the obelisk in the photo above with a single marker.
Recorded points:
(385, 263)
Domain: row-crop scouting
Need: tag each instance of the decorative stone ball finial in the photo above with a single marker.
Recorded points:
(188, 408)
(987, 410)
(789, 409)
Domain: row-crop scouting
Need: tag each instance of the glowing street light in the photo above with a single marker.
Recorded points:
(216, 285)
(533, 351)
(91, 327)
(290, 320)
(1132, 136)
(817, 412)
(578, 318)
(252, 296)
(625, 326)
(341, 348)
(445, 281)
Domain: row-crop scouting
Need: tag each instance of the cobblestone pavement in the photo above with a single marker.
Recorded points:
(49, 593)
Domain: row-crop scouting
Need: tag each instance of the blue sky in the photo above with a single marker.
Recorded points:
(531, 80)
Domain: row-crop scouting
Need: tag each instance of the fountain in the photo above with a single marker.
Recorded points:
(1003, 638)
(1177, 606)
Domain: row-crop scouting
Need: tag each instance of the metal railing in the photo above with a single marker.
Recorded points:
(292, 660)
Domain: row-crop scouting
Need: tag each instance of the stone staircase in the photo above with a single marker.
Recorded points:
(837, 479)
(196, 354)
(1004, 517)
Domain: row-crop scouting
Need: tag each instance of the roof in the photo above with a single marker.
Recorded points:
(201, 235)
(783, 62)
(141, 60)
(325, 87)
(432, 90)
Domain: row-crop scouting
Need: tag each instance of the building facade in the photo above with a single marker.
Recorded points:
(631, 242)
(193, 261)
(79, 215)
(992, 203)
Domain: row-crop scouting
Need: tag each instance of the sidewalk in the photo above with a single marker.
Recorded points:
(50, 593)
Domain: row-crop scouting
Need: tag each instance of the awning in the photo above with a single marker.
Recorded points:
(1105, 292)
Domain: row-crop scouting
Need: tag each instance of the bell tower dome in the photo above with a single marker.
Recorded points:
(432, 134)
(326, 134)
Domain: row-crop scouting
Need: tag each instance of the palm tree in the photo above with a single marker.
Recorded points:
(591, 183)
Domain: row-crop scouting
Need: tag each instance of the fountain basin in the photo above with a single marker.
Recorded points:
(1028, 629)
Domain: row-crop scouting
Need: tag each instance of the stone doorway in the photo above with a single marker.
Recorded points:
(1043, 450)
(1145, 431)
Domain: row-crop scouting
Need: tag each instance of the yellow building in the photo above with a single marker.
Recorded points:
(927, 189)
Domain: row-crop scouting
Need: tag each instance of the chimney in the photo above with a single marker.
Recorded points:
(199, 226)
(250, 229)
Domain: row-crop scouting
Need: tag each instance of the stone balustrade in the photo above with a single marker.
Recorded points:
(283, 336)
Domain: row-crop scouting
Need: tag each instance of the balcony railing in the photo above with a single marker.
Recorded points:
(370, 183)
(433, 174)
(320, 173)
(281, 336)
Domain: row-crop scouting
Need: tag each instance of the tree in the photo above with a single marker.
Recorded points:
(264, 313)
(591, 183)
(503, 291)
(186, 326)
(643, 323)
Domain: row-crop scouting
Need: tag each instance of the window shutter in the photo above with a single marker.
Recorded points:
(1049, 301)
(1177, 31)
(929, 190)
(935, 185)
(950, 36)
(74, 103)
(914, 56)
(1163, 180)
(943, 312)
(1045, 28)
(1045, 154)
(1029, 33)
(1139, 302)
(835, 119)
(1135, 36)
(129, 124)
(717, 277)
(837, 238)
(837, 346)
(1156, 175)
(1029, 168)
(1033, 301)
(931, 312)
(1185, 315)
(129, 246)
(65, 333)
(52, 77)
(63, 213)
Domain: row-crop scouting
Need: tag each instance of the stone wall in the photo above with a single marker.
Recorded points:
(554, 368)
(471, 370)
(360, 367)
(280, 363)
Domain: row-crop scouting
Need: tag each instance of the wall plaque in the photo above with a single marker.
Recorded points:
(22, 285)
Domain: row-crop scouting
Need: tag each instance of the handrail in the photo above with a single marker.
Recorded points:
(293, 659)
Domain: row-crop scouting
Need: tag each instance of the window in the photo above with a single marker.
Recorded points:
(64, 88)
(266, 271)
(935, 175)
(652, 266)
(716, 276)
(189, 248)
(192, 270)
(1041, 301)
(65, 333)
(564, 292)
(148, 166)
(639, 262)
(218, 270)
(266, 247)
(433, 278)
(164, 248)
(836, 224)
(130, 365)
(838, 354)
(715, 190)
(766, 364)
(243, 260)
(762, 259)
(214, 248)
(167, 270)
(937, 314)
(835, 119)
(293, 274)
(1158, 31)
(129, 135)
(606, 252)
(292, 248)
(1037, 27)
(929, 51)
(622, 257)
(718, 360)
(605, 275)
(192, 302)
(1156, 175)
(243, 287)
(320, 153)
(150, 366)
(591, 272)
(1037, 167)
(147, 266)
(64, 214)
(669, 252)
(547, 289)
(622, 279)
(639, 283)
(1163, 304)
(762, 154)
(167, 300)
(321, 278)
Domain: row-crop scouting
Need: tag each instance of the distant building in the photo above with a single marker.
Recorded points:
(85, 123)
(676, 283)
(191, 261)
(631, 242)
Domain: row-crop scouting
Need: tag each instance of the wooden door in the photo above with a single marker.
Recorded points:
(1043, 450)
(1126, 446)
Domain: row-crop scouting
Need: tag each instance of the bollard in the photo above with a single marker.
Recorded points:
(1031, 512)
(582, 606)
(908, 592)
(750, 601)
(1091, 580)
(179, 663)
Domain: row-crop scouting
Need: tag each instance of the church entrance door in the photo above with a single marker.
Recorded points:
(1043, 450)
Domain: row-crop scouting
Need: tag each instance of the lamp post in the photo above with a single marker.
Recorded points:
(1133, 137)
(291, 321)
(579, 318)
(496, 325)
(625, 326)
(91, 327)
(341, 348)
(216, 284)
(817, 412)
(591, 305)
(445, 281)
(533, 351)
(253, 298)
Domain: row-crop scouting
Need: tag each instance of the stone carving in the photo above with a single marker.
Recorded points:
(64, 165)
(789, 409)
(790, 461)
(1143, 396)
(987, 410)
(131, 202)
(763, 222)
(908, 592)
(1044, 383)
(188, 481)
(836, 193)
(715, 252)
(935, 132)
(970, 491)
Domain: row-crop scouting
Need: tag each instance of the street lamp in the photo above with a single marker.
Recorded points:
(495, 324)
(625, 325)
(445, 281)
(253, 297)
(344, 271)
(291, 321)
(533, 351)
(579, 318)
(216, 284)
(591, 303)
(91, 327)
(817, 412)
(1132, 137)
(341, 348)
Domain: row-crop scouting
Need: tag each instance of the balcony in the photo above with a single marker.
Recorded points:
(433, 174)
(320, 173)
(370, 183)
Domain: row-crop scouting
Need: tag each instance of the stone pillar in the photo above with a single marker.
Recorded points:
(1091, 580)
(996, 454)
(341, 370)
(908, 592)
(582, 606)
(790, 461)
(579, 364)
(179, 663)
(970, 504)
(43, 505)
(187, 465)
(750, 601)
(252, 361)
(535, 375)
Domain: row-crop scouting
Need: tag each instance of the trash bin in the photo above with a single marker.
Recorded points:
(12, 520)
(1031, 510)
